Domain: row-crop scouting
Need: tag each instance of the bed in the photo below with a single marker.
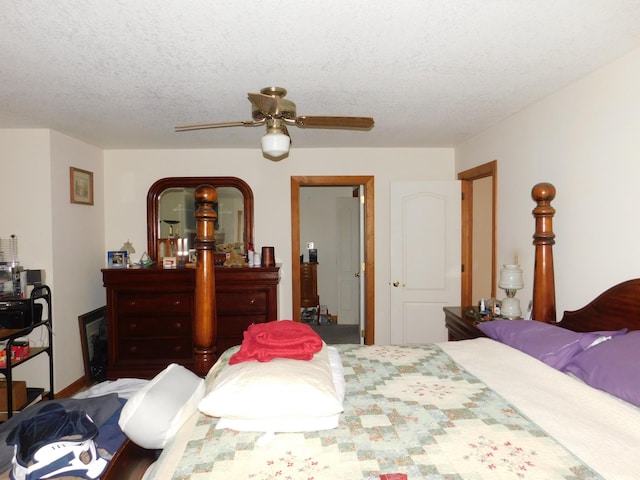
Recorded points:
(472, 409)
(499, 407)
(414, 410)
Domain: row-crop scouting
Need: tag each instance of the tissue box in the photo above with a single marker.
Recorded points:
(19, 389)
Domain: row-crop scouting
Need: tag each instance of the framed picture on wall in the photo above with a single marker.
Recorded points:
(81, 186)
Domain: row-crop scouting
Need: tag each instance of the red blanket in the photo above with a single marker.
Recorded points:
(278, 339)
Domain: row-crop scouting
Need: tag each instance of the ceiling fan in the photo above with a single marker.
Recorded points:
(270, 108)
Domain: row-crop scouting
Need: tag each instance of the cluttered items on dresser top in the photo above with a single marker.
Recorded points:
(487, 310)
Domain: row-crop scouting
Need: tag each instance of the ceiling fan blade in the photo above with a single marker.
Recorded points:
(357, 123)
(203, 126)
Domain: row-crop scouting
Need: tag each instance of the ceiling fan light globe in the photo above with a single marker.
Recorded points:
(275, 144)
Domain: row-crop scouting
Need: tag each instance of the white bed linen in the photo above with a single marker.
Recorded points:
(601, 430)
(161, 469)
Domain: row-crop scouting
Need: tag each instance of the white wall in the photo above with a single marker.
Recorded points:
(130, 173)
(65, 240)
(78, 252)
(26, 194)
(585, 140)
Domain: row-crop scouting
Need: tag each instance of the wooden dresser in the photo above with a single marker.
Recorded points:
(150, 314)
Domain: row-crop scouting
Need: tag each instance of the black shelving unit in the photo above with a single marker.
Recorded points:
(9, 335)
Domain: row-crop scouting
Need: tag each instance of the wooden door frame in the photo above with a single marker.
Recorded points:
(467, 178)
(369, 283)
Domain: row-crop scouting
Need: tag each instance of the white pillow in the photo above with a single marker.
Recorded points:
(153, 415)
(294, 424)
(282, 388)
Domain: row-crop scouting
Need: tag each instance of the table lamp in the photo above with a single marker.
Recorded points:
(510, 281)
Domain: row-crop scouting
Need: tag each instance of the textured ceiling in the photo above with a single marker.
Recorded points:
(122, 74)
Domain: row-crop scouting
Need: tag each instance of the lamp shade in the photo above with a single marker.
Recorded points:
(510, 277)
(275, 144)
(128, 247)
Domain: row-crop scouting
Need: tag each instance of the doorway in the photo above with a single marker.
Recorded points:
(369, 296)
(479, 232)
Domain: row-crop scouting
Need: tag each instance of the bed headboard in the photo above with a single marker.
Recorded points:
(616, 308)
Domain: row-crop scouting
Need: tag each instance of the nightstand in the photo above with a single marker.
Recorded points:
(459, 326)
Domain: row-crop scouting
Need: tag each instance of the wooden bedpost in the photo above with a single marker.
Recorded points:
(544, 293)
(205, 325)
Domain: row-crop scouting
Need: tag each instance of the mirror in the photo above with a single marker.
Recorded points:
(171, 209)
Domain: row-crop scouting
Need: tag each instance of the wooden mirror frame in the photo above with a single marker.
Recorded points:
(156, 190)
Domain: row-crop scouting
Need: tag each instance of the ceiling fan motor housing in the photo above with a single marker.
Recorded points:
(270, 103)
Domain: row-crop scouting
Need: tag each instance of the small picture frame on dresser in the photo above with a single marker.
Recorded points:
(169, 262)
(117, 259)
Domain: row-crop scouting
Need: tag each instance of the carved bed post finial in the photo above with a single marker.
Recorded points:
(544, 295)
(205, 321)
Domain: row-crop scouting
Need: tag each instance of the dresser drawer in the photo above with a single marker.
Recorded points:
(153, 304)
(145, 326)
(167, 349)
(235, 325)
(241, 303)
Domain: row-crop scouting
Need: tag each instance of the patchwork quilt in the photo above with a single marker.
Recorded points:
(408, 409)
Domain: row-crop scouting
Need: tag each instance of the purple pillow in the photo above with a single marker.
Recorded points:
(550, 344)
(612, 366)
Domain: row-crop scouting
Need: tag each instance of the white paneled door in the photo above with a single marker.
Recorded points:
(425, 258)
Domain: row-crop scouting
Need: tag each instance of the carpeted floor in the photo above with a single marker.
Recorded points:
(335, 333)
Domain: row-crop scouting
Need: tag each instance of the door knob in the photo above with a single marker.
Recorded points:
(396, 283)
(357, 274)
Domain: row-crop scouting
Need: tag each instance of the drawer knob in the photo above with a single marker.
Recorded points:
(133, 349)
(178, 325)
(178, 348)
(133, 326)
(252, 301)
(177, 302)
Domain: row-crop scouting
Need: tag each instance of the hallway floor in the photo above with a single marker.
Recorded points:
(333, 333)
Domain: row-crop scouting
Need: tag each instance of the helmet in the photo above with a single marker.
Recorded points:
(55, 443)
